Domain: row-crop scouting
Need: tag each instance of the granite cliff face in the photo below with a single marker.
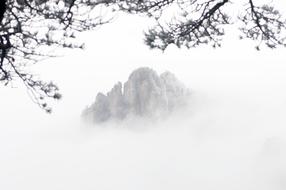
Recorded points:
(145, 94)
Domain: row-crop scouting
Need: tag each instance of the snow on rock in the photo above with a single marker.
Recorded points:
(145, 94)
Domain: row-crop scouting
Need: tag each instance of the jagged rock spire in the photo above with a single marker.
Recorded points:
(145, 94)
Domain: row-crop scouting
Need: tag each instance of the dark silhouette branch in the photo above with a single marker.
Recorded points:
(191, 32)
(202, 22)
(30, 29)
(265, 24)
(2, 9)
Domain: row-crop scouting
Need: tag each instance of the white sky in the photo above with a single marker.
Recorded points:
(232, 136)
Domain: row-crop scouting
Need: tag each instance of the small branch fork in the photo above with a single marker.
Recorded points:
(30, 30)
(192, 32)
(267, 25)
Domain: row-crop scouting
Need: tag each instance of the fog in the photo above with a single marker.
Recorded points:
(231, 136)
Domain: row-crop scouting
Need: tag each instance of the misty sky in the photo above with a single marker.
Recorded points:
(232, 136)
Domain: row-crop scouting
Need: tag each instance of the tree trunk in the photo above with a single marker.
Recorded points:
(2, 9)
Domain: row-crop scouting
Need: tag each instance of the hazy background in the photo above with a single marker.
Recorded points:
(231, 137)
